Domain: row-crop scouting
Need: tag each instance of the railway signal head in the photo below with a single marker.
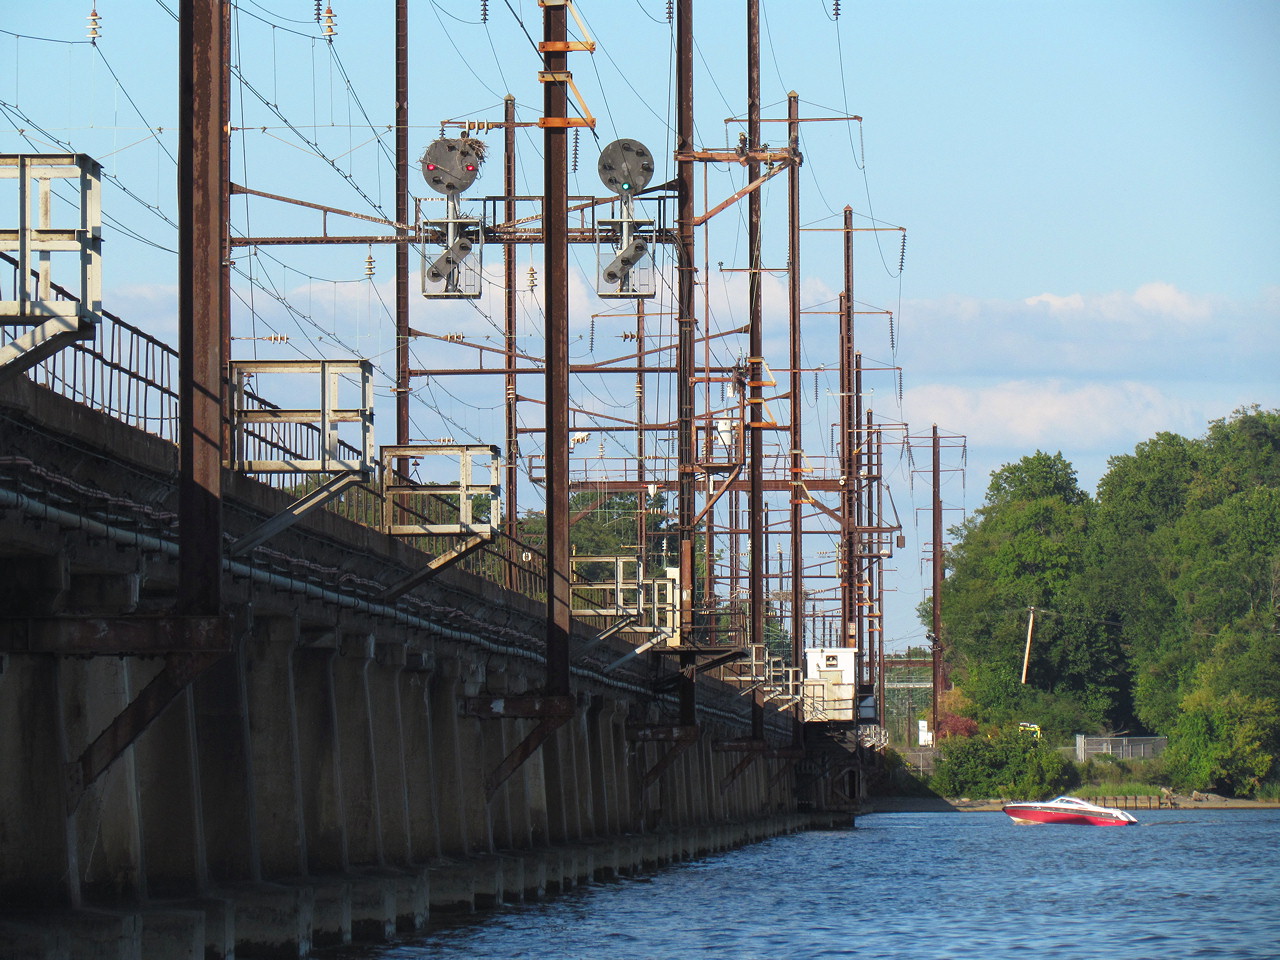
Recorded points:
(448, 261)
(626, 167)
(628, 257)
(450, 166)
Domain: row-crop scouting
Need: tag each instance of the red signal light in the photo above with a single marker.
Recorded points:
(471, 167)
(431, 166)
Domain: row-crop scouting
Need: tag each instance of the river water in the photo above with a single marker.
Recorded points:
(920, 886)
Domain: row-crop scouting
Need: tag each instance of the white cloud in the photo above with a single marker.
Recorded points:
(1156, 332)
(1053, 414)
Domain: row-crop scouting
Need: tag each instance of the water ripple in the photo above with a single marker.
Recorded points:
(924, 887)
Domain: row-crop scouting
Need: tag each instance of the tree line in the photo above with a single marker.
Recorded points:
(1156, 602)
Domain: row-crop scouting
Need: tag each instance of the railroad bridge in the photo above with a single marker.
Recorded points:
(267, 685)
(355, 740)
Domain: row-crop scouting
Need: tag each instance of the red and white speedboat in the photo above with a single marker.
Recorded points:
(1068, 810)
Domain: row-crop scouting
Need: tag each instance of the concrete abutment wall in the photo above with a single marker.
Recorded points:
(297, 796)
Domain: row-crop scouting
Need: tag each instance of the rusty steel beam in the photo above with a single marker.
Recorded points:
(752, 187)
(664, 762)
(178, 673)
(744, 157)
(738, 770)
(433, 567)
(721, 660)
(238, 190)
(523, 751)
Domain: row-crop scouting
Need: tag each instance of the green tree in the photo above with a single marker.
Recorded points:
(1026, 547)
(1006, 764)
(1158, 602)
(1224, 743)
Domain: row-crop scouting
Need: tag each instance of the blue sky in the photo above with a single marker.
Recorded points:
(1089, 191)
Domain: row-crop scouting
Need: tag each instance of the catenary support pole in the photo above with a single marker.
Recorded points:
(685, 337)
(556, 268)
(797, 406)
(755, 405)
(936, 634)
(202, 300)
(402, 217)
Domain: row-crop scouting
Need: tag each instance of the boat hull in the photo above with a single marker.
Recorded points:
(1033, 814)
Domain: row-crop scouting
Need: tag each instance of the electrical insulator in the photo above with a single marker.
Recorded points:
(533, 278)
(368, 266)
(329, 19)
(94, 22)
(628, 335)
(835, 9)
(484, 11)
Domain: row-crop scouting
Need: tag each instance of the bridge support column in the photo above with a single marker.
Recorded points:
(324, 810)
(494, 735)
(356, 751)
(582, 779)
(389, 750)
(226, 776)
(108, 828)
(40, 864)
(273, 738)
(443, 699)
(557, 768)
(475, 760)
(420, 762)
(172, 808)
